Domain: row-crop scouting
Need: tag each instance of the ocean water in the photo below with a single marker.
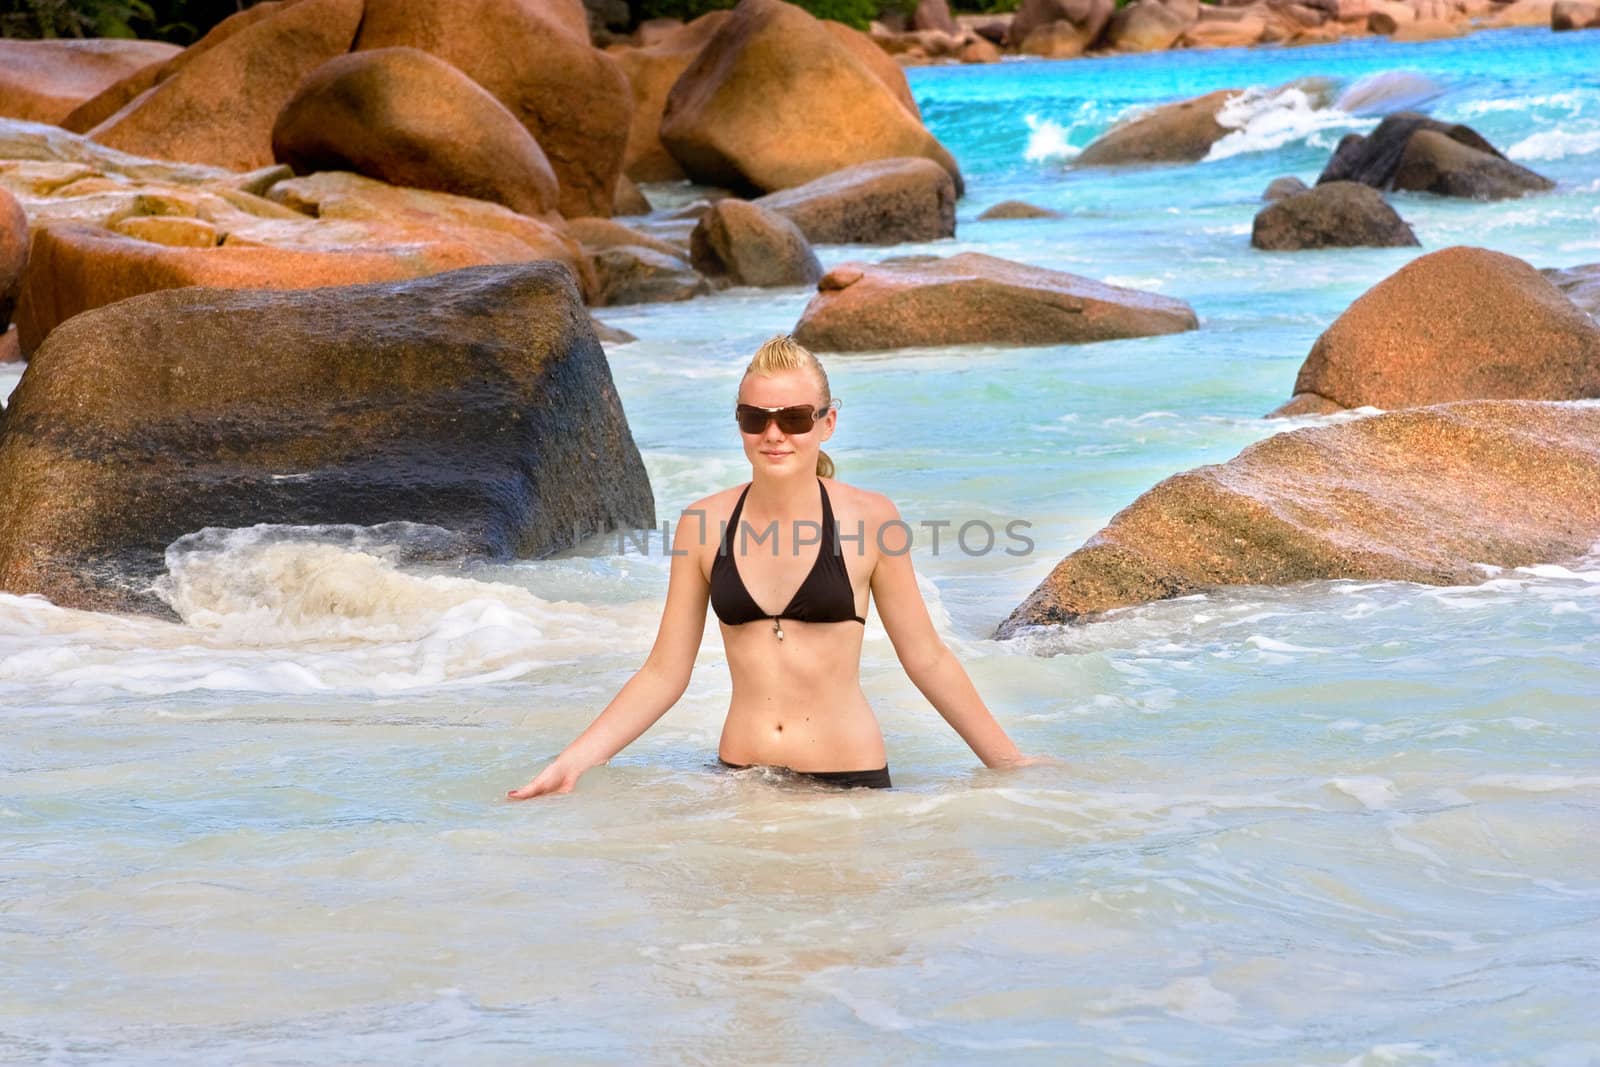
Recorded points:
(1337, 823)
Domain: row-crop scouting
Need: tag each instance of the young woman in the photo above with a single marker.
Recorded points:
(789, 577)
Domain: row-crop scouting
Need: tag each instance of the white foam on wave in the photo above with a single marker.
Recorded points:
(1265, 119)
(1555, 144)
(1572, 100)
(1047, 140)
(280, 610)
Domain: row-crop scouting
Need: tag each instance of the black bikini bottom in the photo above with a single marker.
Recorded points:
(878, 779)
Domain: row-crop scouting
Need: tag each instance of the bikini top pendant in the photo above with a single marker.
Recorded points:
(777, 627)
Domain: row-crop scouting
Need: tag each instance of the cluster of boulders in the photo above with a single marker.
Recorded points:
(1063, 29)
(317, 142)
(1407, 151)
(1478, 462)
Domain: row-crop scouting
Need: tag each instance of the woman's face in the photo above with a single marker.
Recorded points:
(772, 450)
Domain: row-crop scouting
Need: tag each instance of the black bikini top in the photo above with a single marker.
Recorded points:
(825, 596)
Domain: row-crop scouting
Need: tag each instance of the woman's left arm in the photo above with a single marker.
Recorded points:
(927, 660)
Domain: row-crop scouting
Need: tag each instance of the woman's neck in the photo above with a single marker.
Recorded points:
(785, 495)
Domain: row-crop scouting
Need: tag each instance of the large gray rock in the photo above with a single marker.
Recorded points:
(976, 299)
(749, 245)
(1335, 215)
(1434, 163)
(1426, 495)
(1059, 29)
(1385, 159)
(492, 416)
(881, 203)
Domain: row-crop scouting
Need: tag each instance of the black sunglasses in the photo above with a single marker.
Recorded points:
(797, 419)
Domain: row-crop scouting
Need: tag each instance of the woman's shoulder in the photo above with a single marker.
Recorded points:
(863, 503)
(719, 504)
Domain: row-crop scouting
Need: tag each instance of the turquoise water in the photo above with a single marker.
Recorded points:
(1328, 824)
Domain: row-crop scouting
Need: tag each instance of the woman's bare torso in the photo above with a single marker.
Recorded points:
(797, 702)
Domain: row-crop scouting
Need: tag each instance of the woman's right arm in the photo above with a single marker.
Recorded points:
(657, 685)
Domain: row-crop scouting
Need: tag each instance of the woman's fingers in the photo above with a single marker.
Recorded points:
(544, 784)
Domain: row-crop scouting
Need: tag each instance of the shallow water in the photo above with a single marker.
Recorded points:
(1328, 824)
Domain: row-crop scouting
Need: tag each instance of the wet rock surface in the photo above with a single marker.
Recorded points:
(493, 416)
(1426, 495)
(975, 299)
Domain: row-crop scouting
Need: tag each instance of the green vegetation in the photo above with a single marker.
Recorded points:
(855, 13)
(179, 21)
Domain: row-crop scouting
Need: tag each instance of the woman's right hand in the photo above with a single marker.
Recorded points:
(556, 778)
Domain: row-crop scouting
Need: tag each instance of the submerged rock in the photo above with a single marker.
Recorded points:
(493, 416)
(775, 100)
(1457, 324)
(1426, 495)
(880, 203)
(408, 118)
(749, 245)
(1454, 160)
(1017, 209)
(1334, 215)
(1172, 133)
(976, 299)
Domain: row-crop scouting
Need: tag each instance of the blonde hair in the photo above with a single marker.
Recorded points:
(784, 353)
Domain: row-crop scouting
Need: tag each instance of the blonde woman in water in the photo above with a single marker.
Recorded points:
(793, 612)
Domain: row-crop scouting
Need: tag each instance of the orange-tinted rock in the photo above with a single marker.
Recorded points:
(880, 203)
(651, 73)
(573, 98)
(1523, 13)
(95, 110)
(1151, 25)
(1426, 495)
(976, 299)
(774, 100)
(1227, 27)
(408, 118)
(979, 50)
(1059, 29)
(1172, 133)
(74, 268)
(878, 61)
(599, 234)
(1458, 324)
(172, 231)
(219, 108)
(1426, 30)
(13, 253)
(1574, 15)
(43, 81)
(491, 415)
(495, 233)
